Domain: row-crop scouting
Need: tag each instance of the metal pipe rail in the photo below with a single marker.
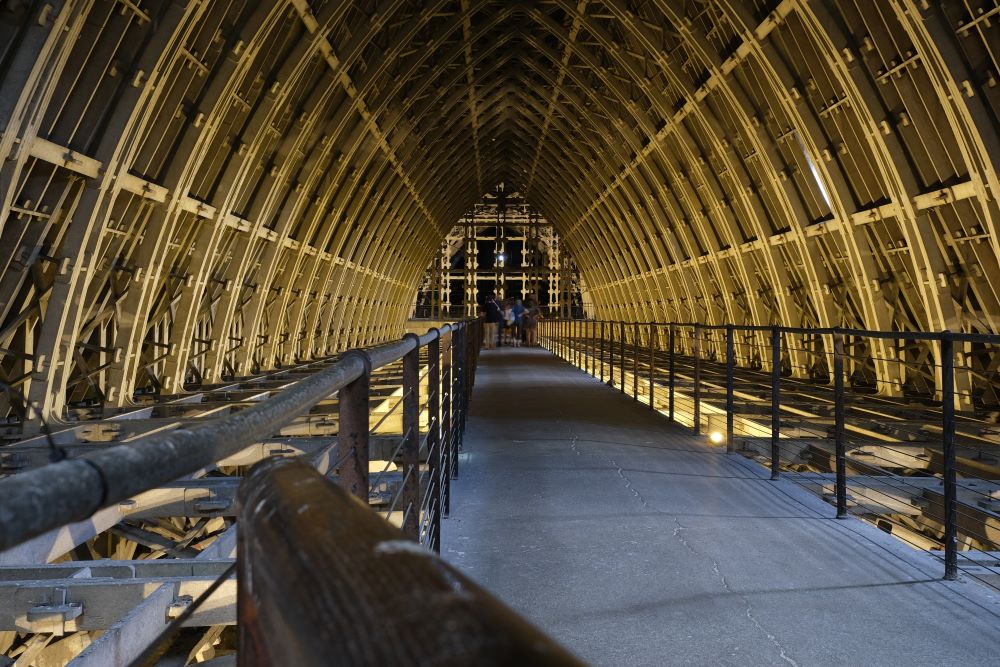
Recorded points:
(791, 373)
(380, 403)
(356, 590)
(72, 490)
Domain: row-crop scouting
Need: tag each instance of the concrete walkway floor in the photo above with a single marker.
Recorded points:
(634, 543)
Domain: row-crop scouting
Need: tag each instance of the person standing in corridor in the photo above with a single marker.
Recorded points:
(518, 310)
(494, 316)
(508, 323)
(529, 322)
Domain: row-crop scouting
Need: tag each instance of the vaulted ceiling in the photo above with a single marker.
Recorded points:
(196, 189)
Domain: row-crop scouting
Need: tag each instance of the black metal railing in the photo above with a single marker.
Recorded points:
(72, 490)
(896, 427)
(319, 572)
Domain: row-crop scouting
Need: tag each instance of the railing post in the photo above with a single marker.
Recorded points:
(635, 362)
(565, 338)
(602, 350)
(652, 366)
(447, 401)
(592, 360)
(571, 335)
(670, 374)
(458, 396)
(611, 354)
(775, 400)
(562, 338)
(470, 365)
(730, 386)
(948, 454)
(352, 437)
(477, 327)
(410, 451)
(434, 439)
(697, 379)
(839, 440)
(621, 356)
(576, 343)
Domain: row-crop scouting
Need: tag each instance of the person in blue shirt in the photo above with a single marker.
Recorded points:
(518, 311)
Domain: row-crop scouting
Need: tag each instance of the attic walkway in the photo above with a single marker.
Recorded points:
(632, 542)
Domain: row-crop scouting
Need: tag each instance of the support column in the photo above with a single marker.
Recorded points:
(352, 438)
(445, 281)
(434, 441)
(409, 500)
(447, 422)
(471, 261)
(554, 277)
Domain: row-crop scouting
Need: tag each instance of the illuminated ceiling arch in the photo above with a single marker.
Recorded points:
(198, 189)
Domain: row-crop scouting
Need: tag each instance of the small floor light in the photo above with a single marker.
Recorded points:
(715, 437)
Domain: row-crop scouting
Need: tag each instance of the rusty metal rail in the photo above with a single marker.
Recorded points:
(355, 590)
(72, 490)
(403, 404)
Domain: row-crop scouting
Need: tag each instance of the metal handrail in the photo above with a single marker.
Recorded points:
(356, 589)
(72, 490)
(957, 336)
(563, 334)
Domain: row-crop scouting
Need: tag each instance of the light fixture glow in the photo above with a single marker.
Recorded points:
(715, 437)
(814, 170)
(501, 257)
